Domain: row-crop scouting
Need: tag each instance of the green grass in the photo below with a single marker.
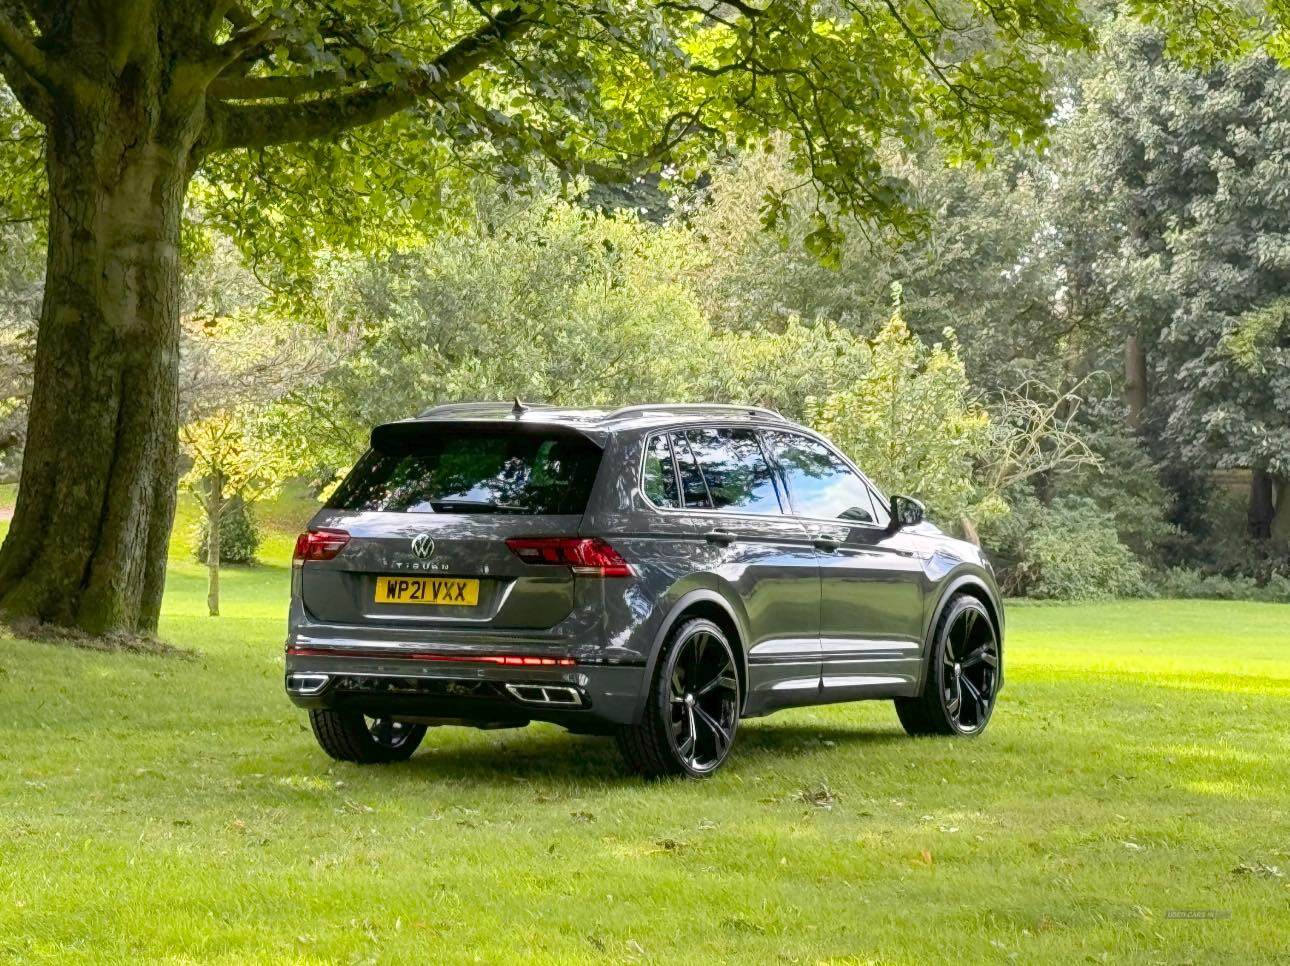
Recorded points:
(163, 809)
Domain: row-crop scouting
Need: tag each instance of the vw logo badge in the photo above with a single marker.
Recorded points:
(423, 545)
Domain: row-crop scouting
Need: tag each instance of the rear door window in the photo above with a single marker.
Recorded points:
(452, 469)
(658, 478)
(738, 477)
(820, 484)
(693, 488)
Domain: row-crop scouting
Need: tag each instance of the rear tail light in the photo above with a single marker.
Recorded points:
(319, 545)
(587, 556)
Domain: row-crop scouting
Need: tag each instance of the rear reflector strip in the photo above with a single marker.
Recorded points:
(506, 660)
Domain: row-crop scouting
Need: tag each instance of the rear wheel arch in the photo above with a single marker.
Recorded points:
(711, 605)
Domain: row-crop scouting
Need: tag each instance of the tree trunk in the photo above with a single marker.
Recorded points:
(1261, 511)
(96, 498)
(1280, 527)
(214, 521)
(1135, 380)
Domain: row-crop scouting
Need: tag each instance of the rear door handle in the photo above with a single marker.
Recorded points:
(719, 536)
(826, 541)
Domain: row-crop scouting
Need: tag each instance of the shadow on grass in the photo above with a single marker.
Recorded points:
(558, 757)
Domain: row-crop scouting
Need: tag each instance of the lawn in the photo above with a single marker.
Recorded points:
(156, 808)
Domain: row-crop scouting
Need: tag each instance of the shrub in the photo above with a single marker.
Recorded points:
(239, 537)
(884, 419)
(1183, 582)
(1067, 551)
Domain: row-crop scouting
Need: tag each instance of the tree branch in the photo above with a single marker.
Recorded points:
(237, 126)
(618, 170)
(277, 86)
(20, 45)
(246, 40)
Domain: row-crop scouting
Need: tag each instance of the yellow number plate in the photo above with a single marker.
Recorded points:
(441, 591)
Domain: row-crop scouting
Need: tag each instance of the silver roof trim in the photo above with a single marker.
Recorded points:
(501, 410)
(693, 409)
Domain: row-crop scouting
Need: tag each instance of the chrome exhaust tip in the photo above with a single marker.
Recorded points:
(306, 683)
(556, 695)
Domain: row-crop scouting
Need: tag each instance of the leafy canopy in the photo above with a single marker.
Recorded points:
(357, 122)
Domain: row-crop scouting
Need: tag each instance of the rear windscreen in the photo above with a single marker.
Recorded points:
(415, 469)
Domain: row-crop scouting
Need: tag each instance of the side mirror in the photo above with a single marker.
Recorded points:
(906, 512)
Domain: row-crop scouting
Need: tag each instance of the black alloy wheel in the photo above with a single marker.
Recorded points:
(962, 676)
(388, 733)
(693, 712)
(350, 735)
(969, 670)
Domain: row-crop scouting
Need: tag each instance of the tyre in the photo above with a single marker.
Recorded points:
(690, 718)
(352, 736)
(962, 674)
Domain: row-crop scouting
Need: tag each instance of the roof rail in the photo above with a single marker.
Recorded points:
(695, 408)
(495, 406)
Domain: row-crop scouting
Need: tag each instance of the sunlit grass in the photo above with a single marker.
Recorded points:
(167, 809)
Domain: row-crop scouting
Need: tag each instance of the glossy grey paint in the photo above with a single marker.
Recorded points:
(815, 622)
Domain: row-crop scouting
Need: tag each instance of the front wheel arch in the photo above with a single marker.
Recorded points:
(973, 586)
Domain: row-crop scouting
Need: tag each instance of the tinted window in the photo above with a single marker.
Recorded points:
(819, 483)
(692, 486)
(412, 469)
(737, 474)
(659, 477)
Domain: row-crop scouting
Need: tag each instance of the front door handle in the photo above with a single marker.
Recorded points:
(719, 536)
(826, 541)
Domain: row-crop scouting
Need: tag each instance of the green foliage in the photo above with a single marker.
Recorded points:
(1194, 165)
(239, 537)
(1182, 582)
(987, 267)
(1067, 551)
(548, 302)
(909, 418)
(1126, 485)
(611, 90)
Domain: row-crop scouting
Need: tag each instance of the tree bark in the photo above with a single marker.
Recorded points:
(1280, 526)
(214, 521)
(1261, 510)
(1135, 380)
(96, 497)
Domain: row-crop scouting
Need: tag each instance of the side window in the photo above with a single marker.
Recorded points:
(693, 488)
(738, 476)
(658, 479)
(819, 483)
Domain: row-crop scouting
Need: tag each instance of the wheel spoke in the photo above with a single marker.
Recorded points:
(953, 705)
(692, 743)
(982, 655)
(696, 645)
(384, 730)
(718, 732)
(977, 700)
(723, 678)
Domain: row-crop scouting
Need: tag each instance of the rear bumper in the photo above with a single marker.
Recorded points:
(477, 685)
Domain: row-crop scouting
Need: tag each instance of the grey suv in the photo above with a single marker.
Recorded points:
(655, 573)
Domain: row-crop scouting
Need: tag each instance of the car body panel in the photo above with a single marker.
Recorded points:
(812, 624)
